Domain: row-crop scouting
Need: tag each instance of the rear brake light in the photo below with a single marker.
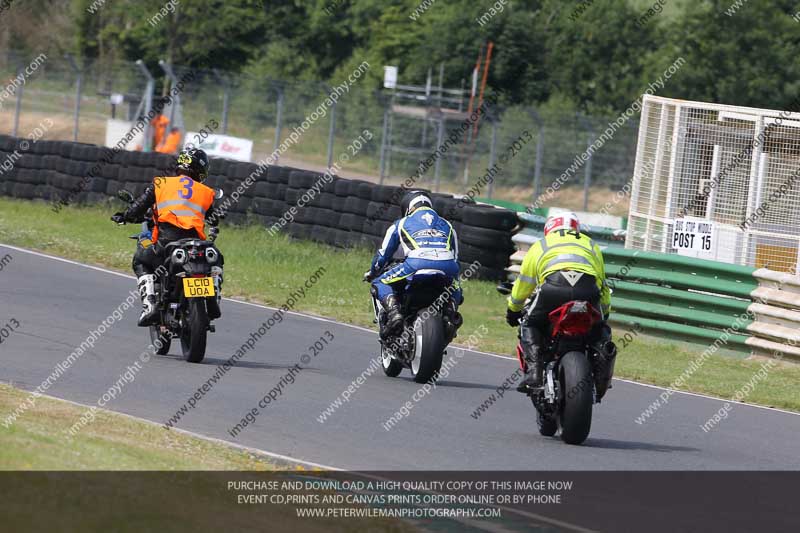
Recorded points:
(574, 318)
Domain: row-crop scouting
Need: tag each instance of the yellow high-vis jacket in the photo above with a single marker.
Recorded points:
(560, 250)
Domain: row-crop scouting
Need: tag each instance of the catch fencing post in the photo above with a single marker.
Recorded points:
(167, 68)
(492, 156)
(587, 175)
(148, 103)
(587, 172)
(18, 105)
(78, 89)
(278, 125)
(537, 168)
(390, 143)
(439, 142)
(225, 104)
(226, 93)
(384, 134)
(331, 133)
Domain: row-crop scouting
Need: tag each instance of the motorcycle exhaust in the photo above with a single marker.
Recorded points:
(213, 303)
(604, 371)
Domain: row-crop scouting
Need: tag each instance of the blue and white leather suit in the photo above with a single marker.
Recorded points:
(425, 242)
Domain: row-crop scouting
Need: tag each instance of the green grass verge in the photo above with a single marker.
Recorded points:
(195, 501)
(267, 269)
(38, 440)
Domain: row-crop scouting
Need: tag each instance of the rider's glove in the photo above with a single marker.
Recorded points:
(513, 318)
(119, 218)
(213, 232)
(368, 277)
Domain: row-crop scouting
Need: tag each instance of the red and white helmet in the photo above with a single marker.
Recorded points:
(566, 221)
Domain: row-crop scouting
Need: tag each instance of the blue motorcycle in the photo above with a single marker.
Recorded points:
(429, 325)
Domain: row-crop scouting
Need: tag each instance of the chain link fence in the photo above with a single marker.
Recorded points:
(530, 148)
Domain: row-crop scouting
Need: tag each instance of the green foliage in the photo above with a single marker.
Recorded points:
(749, 58)
(598, 59)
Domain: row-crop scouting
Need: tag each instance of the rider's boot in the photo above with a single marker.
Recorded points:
(532, 352)
(215, 309)
(147, 291)
(394, 319)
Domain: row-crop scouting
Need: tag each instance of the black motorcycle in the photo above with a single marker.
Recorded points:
(575, 376)
(428, 326)
(185, 290)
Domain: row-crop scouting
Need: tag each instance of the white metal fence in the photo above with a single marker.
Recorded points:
(718, 182)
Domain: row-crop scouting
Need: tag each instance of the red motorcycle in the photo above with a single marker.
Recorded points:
(574, 372)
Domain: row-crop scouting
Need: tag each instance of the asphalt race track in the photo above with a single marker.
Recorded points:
(58, 302)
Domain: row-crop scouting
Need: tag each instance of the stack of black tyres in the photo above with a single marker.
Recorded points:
(484, 233)
(68, 172)
(329, 210)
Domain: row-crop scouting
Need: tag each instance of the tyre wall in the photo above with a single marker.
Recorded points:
(303, 204)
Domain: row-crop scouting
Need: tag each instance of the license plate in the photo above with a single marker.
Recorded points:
(198, 287)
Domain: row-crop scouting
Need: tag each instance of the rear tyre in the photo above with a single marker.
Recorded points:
(195, 331)
(160, 341)
(576, 401)
(429, 345)
(391, 366)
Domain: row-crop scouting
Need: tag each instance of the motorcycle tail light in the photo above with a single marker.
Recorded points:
(574, 318)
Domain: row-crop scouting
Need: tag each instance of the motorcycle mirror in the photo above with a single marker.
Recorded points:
(219, 194)
(125, 195)
(504, 288)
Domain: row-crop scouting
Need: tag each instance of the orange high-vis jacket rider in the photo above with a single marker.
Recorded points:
(182, 202)
(171, 143)
(159, 124)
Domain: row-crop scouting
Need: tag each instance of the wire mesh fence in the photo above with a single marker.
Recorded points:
(734, 167)
(405, 139)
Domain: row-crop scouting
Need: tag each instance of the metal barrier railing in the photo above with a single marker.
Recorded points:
(695, 300)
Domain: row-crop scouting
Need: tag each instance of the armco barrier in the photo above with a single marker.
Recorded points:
(757, 311)
(777, 314)
(340, 212)
(533, 225)
(590, 219)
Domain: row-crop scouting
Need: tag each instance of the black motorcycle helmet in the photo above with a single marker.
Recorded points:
(193, 162)
(413, 200)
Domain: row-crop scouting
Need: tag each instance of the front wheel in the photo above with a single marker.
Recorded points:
(576, 400)
(195, 331)
(429, 345)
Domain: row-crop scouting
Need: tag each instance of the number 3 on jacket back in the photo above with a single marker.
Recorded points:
(183, 202)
